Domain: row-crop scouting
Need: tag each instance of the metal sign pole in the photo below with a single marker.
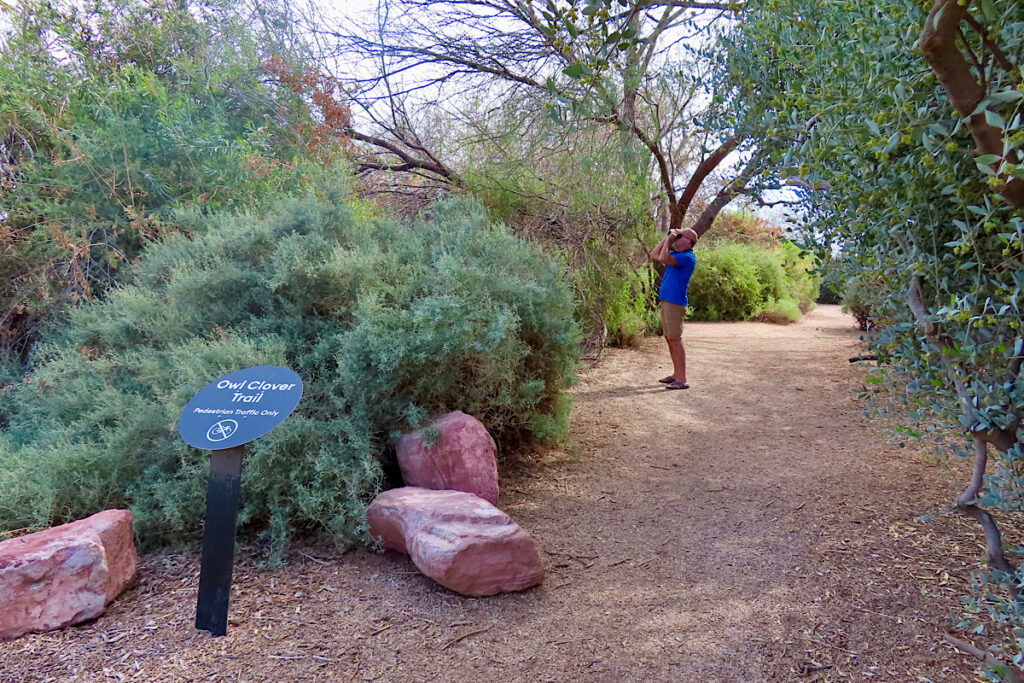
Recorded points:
(219, 540)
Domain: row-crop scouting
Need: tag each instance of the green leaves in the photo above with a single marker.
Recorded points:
(123, 113)
(364, 311)
(576, 71)
(988, 10)
(908, 195)
(993, 119)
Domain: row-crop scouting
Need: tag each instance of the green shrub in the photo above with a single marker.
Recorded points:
(117, 112)
(861, 296)
(781, 312)
(735, 281)
(386, 323)
(831, 272)
(770, 274)
(803, 280)
(827, 293)
(725, 285)
(618, 295)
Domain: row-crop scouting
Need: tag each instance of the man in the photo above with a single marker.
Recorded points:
(676, 252)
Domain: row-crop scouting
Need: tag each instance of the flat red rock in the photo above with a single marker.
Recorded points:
(457, 539)
(66, 574)
(463, 459)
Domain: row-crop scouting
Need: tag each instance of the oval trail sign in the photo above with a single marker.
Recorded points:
(239, 407)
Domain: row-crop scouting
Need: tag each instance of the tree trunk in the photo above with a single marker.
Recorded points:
(965, 91)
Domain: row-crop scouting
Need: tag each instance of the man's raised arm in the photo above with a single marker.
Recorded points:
(661, 253)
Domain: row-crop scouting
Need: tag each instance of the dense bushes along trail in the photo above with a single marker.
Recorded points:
(751, 528)
(365, 311)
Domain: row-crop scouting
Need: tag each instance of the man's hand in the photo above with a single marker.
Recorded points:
(660, 253)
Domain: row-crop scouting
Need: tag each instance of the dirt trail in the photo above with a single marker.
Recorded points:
(753, 527)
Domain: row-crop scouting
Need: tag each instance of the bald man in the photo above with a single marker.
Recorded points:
(676, 252)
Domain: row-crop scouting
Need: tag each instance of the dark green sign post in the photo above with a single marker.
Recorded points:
(219, 540)
(222, 417)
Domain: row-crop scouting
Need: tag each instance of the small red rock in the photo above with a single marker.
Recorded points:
(462, 460)
(457, 539)
(65, 574)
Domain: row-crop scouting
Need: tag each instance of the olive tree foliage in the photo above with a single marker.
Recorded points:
(645, 70)
(915, 149)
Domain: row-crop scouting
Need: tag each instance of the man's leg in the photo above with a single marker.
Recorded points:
(672, 327)
(678, 353)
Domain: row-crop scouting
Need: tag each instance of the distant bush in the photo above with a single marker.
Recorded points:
(736, 281)
(742, 227)
(386, 323)
(781, 312)
(803, 280)
(725, 285)
(860, 297)
(831, 272)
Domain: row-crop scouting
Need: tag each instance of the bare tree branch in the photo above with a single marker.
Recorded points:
(709, 164)
(733, 189)
(409, 162)
(1006, 671)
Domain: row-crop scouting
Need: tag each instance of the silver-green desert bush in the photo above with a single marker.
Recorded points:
(387, 324)
(116, 113)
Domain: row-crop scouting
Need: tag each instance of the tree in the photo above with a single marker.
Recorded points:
(647, 69)
(117, 113)
(917, 115)
(952, 35)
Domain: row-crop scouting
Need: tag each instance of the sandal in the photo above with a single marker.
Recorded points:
(667, 380)
(676, 384)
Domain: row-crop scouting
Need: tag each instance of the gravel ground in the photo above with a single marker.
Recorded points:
(752, 528)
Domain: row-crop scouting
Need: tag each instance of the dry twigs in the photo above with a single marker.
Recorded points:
(1006, 671)
(463, 636)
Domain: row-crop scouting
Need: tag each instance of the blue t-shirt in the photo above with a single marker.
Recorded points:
(677, 278)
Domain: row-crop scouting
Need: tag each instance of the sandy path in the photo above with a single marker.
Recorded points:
(753, 527)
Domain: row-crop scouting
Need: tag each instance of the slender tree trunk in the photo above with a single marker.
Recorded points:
(705, 167)
(964, 89)
(935, 336)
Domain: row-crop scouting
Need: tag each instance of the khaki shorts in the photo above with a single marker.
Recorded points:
(672, 320)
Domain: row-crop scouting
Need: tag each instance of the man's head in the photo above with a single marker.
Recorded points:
(685, 239)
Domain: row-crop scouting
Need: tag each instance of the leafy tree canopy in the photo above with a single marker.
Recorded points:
(918, 113)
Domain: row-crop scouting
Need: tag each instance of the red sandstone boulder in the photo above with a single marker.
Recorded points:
(457, 539)
(462, 460)
(65, 574)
